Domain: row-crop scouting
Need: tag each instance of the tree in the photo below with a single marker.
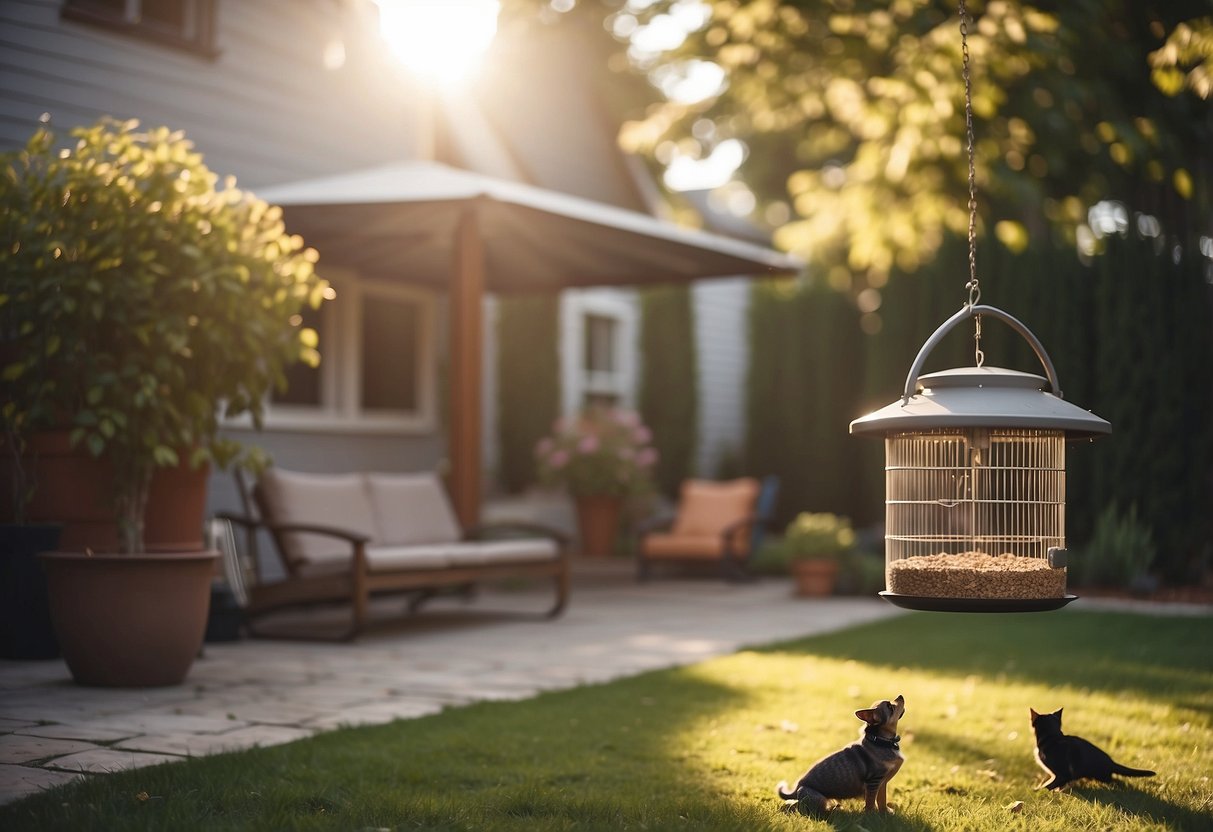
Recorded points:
(853, 114)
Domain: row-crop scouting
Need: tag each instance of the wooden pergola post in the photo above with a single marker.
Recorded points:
(466, 370)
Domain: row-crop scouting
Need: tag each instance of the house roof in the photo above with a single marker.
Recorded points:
(397, 222)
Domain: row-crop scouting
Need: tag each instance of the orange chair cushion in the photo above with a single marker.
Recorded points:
(690, 547)
(708, 508)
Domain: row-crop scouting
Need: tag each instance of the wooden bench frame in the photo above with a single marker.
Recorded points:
(357, 584)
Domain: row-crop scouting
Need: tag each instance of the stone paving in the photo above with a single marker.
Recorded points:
(260, 692)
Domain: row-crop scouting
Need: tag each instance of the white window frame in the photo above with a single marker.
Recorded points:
(340, 409)
(577, 381)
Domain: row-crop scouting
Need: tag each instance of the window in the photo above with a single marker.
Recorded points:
(183, 24)
(600, 361)
(390, 329)
(377, 363)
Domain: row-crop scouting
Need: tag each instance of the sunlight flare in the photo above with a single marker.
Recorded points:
(440, 41)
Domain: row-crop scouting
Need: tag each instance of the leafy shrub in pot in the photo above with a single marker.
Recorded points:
(140, 302)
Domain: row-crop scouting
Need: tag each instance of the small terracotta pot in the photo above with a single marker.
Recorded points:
(129, 620)
(815, 577)
(598, 524)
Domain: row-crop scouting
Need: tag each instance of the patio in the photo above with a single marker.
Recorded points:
(247, 693)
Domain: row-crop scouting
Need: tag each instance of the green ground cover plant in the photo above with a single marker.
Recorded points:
(701, 748)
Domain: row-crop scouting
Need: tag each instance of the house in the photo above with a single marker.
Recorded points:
(275, 91)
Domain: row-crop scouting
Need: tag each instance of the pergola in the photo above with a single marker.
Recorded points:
(468, 234)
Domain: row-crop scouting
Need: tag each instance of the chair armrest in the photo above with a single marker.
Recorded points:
(660, 522)
(239, 519)
(301, 528)
(741, 523)
(479, 531)
(327, 531)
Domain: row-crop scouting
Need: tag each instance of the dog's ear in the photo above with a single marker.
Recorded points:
(869, 716)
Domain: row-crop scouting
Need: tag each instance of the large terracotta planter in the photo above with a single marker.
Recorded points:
(815, 577)
(598, 524)
(129, 620)
(74, 489)
(26, 631)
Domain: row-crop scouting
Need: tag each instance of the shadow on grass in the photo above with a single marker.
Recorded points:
(1144, 805)
(602, 757)
(1107, 651)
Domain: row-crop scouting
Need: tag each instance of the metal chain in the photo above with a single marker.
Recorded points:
(972, 286)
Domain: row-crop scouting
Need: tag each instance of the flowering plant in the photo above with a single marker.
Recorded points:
(818, 535)
(603, 452)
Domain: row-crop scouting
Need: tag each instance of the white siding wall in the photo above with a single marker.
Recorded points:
(722, 344)
(266, 110)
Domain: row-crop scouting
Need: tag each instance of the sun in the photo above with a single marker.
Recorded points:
(440, 41)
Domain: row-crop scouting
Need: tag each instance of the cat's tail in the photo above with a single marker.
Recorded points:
(1125, 771)
(779, 789)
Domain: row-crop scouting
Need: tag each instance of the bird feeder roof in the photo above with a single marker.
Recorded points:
(982, 397)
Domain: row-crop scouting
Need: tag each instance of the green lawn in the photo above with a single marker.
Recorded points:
(701, 748)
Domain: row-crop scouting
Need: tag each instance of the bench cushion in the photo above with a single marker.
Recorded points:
(411, 509)
(445, 555)
(337, 500)
(491, 552)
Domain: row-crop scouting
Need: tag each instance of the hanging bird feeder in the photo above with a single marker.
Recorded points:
(975, 473)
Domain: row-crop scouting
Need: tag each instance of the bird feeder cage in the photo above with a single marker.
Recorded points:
(975, 482)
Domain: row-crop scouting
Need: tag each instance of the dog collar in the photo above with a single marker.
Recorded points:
(884, 742)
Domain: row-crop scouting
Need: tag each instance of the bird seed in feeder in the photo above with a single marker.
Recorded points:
(976, 575)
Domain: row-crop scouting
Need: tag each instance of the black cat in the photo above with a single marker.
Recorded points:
(1066, 759)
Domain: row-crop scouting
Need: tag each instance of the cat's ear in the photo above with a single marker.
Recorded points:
(1032, 711)
(869, 716)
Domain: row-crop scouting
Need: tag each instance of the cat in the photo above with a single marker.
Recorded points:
(861, 769)
(1067, 758)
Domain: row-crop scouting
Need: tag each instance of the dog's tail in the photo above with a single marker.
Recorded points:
(785, 795)
(1125, 771)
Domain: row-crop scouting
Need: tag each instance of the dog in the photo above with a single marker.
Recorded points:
(861, 769)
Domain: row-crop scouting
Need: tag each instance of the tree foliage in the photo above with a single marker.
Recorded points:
(669, 392)
(853, 113)
(528, 384)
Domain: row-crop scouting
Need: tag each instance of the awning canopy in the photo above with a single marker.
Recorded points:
(398, 222)
(468, 234)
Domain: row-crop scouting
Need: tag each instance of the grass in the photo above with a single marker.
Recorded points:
(701, 748)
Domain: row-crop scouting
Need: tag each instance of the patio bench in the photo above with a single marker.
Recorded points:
(348, 537)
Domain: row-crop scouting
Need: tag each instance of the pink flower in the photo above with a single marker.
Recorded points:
(558, 460)
(544, 447)
(588, 444)
(642, 435)
(646, 457)
(626, 453)
(627, 418)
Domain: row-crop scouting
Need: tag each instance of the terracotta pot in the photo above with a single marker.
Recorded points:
(75, 490)
(26, 631)
(815, 577)
(598, 524)
(129, 620)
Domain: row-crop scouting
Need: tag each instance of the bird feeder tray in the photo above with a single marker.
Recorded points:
(975, 483)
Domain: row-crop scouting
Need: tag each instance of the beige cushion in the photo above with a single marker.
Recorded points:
(489, 552)
(337, 500)
(411, 509)
(708, 508)
(403, 558)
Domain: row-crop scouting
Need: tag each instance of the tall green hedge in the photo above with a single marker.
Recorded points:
(528, 383)
(1130, 334)
(669, 391)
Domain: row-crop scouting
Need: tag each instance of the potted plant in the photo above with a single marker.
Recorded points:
(146, 302)
(814, 543)
(601, 457)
